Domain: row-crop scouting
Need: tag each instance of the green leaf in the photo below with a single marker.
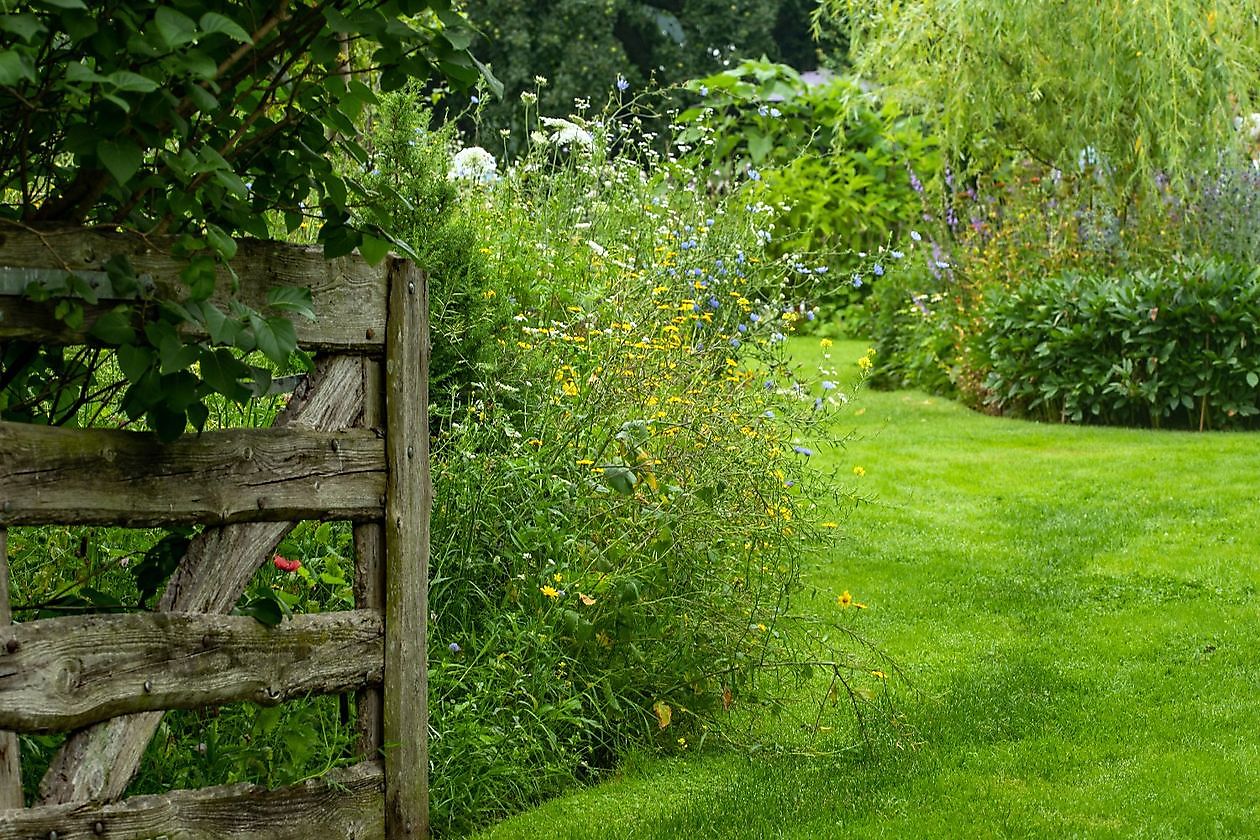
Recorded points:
(223, 372)
(159, 563)
(275, 336)
(200, 277)
(214, 23)
(223, 245)
(176, 28)
(1253, 379)
(128, 82)
(65, 4)
(14, 67)
(373, 250)
(134, 361)
(292, 299)
(621, 478)
(26, 26)
(114, 327)
(263, 610)
(121, 157)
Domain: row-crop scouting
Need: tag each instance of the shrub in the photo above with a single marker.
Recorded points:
(1170, 347)
(834, 161)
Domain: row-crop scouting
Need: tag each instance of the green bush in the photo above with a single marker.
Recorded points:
(834, 162)
(1174, 347)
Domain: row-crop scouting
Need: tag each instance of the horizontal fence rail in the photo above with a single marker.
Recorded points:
(349, 295)
(63, 673)
(110, 477)
(344, 804)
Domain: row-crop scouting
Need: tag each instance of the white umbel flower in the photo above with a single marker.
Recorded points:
(474, 164)
(564, 133)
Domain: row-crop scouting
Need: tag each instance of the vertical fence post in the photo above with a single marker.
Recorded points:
(408, 500)
(369, 570)
(10, 760)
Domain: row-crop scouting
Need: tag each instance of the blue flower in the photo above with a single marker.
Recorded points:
(803, 450)
(809, 316)
(857, 281)
(828, 385)
(713, 302)
(622, 84)
(775, 112)
(453, 647)
(742, 328)
(896, 255)
(735, 342)
(818, 403)
(763, 111)
(914, 234)
(878, 269)
(754, 317)
(769, 415)
(753, 174)
(704, 90)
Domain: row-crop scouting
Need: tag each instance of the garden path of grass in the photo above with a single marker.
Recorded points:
(1078, 610)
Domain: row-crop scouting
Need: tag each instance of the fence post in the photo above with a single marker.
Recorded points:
(408, 500)
(369, 570)
(10, 759)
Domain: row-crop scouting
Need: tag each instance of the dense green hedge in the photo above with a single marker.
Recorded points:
(1175, 347)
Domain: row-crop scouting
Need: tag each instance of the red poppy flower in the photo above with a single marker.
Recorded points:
(285, 565)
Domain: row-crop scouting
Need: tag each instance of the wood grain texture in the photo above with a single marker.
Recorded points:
(344, 804)
(61, 673)
(98, 762)
(10, 756)
(112, 477)
(408, 500)
(369, 571)
(348, 294)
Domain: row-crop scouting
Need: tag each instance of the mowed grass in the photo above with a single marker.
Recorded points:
(1076, 610)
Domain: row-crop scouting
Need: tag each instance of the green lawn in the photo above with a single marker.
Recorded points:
(1077, 611)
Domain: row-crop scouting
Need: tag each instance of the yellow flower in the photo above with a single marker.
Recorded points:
(859, 471)
(552, 592)
(846, 600)
(826, 342)
(829, 525)
(879, 675)
(488, 294)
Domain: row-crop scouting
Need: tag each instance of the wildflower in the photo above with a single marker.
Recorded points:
(846, 600)
(828, 525)
(549, 591)
(284, 564)
(878, 270)
(914, 234)
(622, 84)
(896, 255)
(803, 450)
(704, 90)
(753, 175)
(565, 133)
(828, 385)
(859, 471)
(825, 342)
(879, 675)
(453, 647)
(474, 165)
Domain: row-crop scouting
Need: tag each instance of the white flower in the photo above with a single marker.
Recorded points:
(564, 133)
(474, 164)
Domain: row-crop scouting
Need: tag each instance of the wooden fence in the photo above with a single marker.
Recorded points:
(352, 444)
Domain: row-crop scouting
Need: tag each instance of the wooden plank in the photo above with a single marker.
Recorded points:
(408, 500)
(98, 762)
(344, 803)
(369, 571)
(348, 294)
(112, 477)
(10, 755)
(62, 673)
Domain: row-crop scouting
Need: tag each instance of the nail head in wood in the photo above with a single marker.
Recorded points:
(148, 686)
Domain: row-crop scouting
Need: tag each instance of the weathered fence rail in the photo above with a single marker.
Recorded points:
(353, 444)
